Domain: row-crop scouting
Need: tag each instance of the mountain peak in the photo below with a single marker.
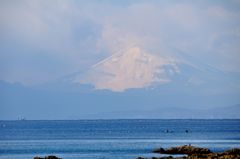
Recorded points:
(132, 68)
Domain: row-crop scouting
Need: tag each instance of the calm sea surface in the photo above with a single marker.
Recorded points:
(112, 139)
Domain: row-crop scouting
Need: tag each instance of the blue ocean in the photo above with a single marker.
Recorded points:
(112, 139)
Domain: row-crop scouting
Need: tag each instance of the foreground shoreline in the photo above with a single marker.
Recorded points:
(187, 152)
(192, 152)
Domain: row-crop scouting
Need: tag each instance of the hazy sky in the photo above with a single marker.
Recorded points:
(43, 40)
(75, 58)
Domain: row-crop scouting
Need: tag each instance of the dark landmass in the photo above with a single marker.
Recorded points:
(189, 152)
(192, 152)
(47, 157)
(186, 149)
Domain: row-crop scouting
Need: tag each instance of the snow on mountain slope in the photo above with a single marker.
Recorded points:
(132, 68)
(135, 67)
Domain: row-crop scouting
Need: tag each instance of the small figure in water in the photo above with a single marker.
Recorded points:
(186, 131)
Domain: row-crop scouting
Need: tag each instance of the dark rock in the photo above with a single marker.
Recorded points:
(159, 150)
(52, 157)
(186, 149)
(47, 157)
(196, 153)
(214, 156)
(233, 151)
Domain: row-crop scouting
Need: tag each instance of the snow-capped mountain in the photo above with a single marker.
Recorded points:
(134, 79)
(137, 68)
(134, 82)
(131, 68)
